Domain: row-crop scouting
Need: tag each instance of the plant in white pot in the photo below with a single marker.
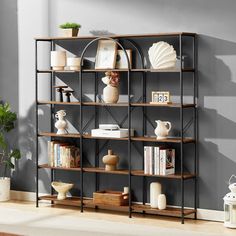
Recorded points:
(7, 155)
(70, 29)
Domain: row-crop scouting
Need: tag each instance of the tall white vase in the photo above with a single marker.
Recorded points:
(4, 189)
(58, 60)
(155, 191)
(110, 94)
(162, 201)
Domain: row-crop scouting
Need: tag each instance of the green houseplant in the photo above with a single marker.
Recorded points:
(7, 155)
(70, 29)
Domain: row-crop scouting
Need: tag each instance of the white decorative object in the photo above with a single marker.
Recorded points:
(111, 91)
(73, 63)
(161, 130)
(118, 133)
(62, 189)
(162, 56)
(61, 124)
(121, 59)
(126, 190)
(58, 60)
(162, 201)
(4, 189)
(155, 191)
(110, 94)
(230, 205)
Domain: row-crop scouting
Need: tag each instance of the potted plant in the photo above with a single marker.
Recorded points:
(70, 29)
(8, 156)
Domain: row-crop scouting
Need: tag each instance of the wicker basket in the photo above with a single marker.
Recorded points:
(108, 197)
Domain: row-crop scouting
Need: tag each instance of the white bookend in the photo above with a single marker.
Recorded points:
(156, 161)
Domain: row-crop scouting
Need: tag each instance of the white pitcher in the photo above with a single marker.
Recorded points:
(161, 130)
(61, 124)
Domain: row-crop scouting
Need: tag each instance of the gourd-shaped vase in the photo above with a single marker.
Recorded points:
(61, 124)
(110, 94)
(162, 130)
(110, 161)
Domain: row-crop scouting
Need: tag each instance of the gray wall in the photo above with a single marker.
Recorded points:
(213, 20)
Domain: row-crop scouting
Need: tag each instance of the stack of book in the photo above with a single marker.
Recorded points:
(159, 161)
(63, 155)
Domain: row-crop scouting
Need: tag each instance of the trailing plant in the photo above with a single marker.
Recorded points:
(69, 25)
(7, 123)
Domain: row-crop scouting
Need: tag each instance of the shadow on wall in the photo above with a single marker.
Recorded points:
(217, 119)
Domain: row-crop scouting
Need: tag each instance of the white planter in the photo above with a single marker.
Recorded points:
(110, 94)
(162, 201)
(4, 189)
(73, 63)
(155, 191)
(69, 32)
(58, 60)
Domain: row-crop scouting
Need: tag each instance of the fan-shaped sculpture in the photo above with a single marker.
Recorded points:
(162, 56)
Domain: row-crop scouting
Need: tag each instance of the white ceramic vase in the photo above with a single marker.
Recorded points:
(155, 191)
(162, 130)
(62, 189)
(73, 63)
(110, 94)
(5, 189)
(161, 201)
(61, 124)
(58, 60)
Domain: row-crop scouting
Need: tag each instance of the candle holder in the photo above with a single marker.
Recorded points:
(60, 90)
(68, 93)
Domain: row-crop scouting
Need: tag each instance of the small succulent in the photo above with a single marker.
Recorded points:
(69, 25)
(111, 78)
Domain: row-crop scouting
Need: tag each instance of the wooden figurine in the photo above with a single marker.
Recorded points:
(60, 89)
(68, 93)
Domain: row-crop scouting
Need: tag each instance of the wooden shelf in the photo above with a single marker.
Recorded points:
(46, 166)
(139, 208)
(102, 170)
(88, 136)
(173, 176)
(119, 70)
(169, 211)
(57, 103)
(174, 105)
(173, 34)
(166, 140)
(48, 134)
(123, 104)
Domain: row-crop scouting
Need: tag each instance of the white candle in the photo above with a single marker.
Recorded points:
(58, 60)
(155, 191)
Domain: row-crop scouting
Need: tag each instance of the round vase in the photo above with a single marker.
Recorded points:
(4, 189)
(110, 161)
(155, 191)
(162, 201)
(110, 94)
(73, 63)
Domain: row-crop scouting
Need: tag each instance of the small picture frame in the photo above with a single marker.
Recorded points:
(106, 55)
(160, 97)
(121, 60)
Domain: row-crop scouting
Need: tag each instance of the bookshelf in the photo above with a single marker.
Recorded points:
(84, 202)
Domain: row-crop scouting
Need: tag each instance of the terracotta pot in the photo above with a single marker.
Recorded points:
(5, 189)
(70, 32)
(110, 94)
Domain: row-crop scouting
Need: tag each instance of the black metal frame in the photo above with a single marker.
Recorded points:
(143, 60)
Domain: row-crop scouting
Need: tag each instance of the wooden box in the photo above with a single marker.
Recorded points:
(108, 197)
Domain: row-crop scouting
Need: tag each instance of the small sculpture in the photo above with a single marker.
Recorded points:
(61, 124)
(111, 91)
(162, 55)
(161, 130)
(60, 89)
(110, 161)
(68, 93)
(62, 189)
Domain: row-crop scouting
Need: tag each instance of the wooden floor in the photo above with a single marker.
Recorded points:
(25, 219)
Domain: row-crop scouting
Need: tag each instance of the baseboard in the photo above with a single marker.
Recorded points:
(202, 214)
